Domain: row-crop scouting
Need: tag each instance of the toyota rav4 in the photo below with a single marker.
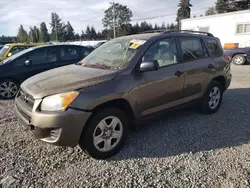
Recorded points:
(127, 80)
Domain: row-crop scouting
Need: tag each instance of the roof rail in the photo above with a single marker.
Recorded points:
(187, 31)
(153, 31)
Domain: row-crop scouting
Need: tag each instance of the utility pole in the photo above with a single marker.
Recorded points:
(113, 3)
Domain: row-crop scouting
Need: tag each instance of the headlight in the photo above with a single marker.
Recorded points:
(58, 102)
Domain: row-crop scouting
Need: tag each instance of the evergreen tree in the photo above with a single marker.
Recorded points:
(82, 35)
(22, 34)
(43, 34)
(183, 11)
(69, 32)
(77, 37)
(31, 36)
(92, 33)
(163, 25)
(88, 33)
(36, 34)
(57, 28)
(210, 11)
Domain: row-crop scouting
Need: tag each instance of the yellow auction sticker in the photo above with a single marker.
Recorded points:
(135, 45)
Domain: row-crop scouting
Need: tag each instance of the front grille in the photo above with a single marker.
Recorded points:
(26, 98)
(26, 116)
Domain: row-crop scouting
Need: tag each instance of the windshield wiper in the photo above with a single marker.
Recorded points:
(95, 65)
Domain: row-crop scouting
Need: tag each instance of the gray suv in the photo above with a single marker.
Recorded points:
(124, 82)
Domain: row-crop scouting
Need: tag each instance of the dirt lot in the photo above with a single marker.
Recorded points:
(186, 149)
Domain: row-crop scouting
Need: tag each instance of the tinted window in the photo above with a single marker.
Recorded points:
(17, 49)
(20, 61)
(69, 53)
(164, 51)
(213, 47)
(192, 49)
(43, 55)
(84, 52)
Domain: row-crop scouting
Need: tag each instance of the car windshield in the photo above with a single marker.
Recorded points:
(4, 50)
(114, 54)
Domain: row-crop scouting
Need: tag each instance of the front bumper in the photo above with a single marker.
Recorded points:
(58, 128)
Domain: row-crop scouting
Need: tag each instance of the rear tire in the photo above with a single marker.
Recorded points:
(239, 59)
(212, 98)
(105, 133)
(8, 89)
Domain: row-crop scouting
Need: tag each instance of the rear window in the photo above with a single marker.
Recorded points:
(213, 47)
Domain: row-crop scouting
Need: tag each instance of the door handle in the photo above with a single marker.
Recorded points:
(178, 73)
(210, 66)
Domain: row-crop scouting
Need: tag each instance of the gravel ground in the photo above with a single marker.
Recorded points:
(186, 149)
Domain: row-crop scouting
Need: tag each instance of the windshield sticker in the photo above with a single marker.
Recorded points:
(136, 43)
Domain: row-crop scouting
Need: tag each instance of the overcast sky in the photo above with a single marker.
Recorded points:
(81, 13)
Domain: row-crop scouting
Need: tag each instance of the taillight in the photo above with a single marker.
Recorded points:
(228, 57)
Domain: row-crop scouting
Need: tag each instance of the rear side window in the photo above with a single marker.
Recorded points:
(213, 47)
(69, 53)
(84, 52)
(192, 48)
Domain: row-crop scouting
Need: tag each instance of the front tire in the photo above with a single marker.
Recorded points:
(212, 98)
(105, 133)
(239, 60)
(8, 89)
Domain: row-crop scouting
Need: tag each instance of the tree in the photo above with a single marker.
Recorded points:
(36, 34)
(22, 34)
(69, 32)
(122, 15)
(92, 33)
(163, 25)
(194, 16)
(222, 6)
(88, 33)
(43, 34)
(57, 28)
(31, 36)
(82, 35)
(183, 11)
(77, 37)
(210, 11)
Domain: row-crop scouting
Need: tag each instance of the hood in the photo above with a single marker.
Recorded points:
(65, 79)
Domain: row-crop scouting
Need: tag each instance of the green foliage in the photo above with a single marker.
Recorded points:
(22, 34)
(223, 6)
(69, 32)
(183, 11)
(58, 32)
(44, 35)
(210, 11)
(8, 39)
(122, 15)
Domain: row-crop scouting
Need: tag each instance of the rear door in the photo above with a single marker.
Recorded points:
(17, 49)
(198, 67)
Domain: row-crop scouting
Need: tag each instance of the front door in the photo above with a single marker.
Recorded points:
(161, 89)
(40, 60)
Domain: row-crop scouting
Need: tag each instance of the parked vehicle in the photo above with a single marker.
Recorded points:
(120, 85)
(11, 49)
(239, 56)
(15, 69)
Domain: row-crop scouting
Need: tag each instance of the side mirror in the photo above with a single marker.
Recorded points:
(9, 54)
(27, 62)
(149, 66)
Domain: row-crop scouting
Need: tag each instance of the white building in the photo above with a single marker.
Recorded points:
(233, 27)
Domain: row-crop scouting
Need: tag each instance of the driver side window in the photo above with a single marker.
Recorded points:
(164, 51)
